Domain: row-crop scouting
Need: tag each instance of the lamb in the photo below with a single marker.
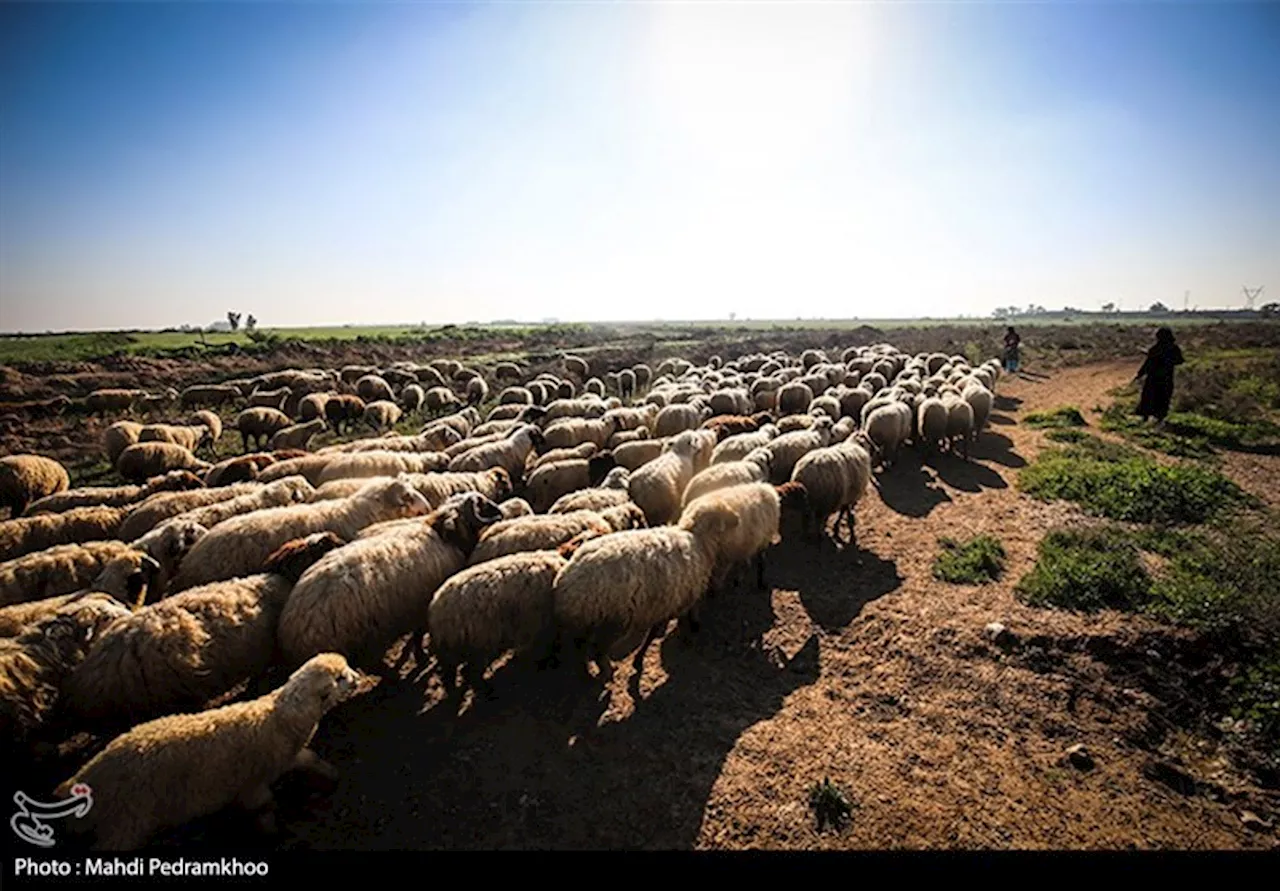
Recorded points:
(100, 402)
(208, 395)
(752, 469)
(179, 654)
(365, 464)
(358, 599)
(29, 534)
(258, 425)
(509, 453)
(888, 427)
(34, 663)
(382, 414)
(282, 492)
(28, 478)
(550, 481)
(611, 492)
(372, 388)
(582, 450)
(618, 585)
(738, 446)
(834, 478)
(658, 486)
(490, 608)
(787, 448)
(143, 460)
(114, 496)
(297, 436)
(218, 757)
(160, 507)
(543, 532)
(118, 437)
(241, 545)
(342, 411)
(112, 566)
(189, 437)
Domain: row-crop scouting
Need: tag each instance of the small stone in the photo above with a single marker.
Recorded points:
(998, 634)
(1079, 757)
(1254, 822)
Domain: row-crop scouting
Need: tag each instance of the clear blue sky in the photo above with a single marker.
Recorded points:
(326, 163)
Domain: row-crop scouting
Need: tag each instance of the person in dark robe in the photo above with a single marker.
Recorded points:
(1011, 344)
(1157, 389)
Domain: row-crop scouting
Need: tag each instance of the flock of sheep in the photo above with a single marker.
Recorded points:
(573, 521)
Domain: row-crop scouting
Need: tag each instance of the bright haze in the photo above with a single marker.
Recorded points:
(382, 163)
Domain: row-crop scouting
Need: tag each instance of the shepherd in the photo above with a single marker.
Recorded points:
(1011, 344)
(1157, 390)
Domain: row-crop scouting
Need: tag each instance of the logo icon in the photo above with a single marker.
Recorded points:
(27, 822)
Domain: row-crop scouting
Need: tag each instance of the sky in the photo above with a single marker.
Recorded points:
(328, 163)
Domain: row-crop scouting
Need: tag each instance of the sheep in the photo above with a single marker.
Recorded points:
(931, 422)
(542, 532)
(17, 616)
(28, 534)
(738, 446)
(887, 426)
(167, 545)
(487, 609)
(118, 437)
(35, 662)
(577, 366)
(359, 598)
(434, 440)
(297, 436)
(223, 756)
(189, 437)
(834, 479)
(114, 496)
(373, 388)
(634, 455)
(179, 654)
(726, 426)
(382, 414)
(510, 453)
(657, 487)
(208, 395)
(270, 398)
(794, 398)
(515, 396)
(312, 406)
(100, 402)
(212, 421)
(550, 481)
(143, 460)
(241, 545)
(64, 569)
(28, 478)
(582, 450)
(494, 426)
(258, 425)
(471, 442)
(752, 469)
(508, 371)
(611, 492)
(477, 391)
(281, 493)
(626, 383)
(618, 585)
(513, 508)
(162, 506)
(364, 464)
(441, 398)
(677, 418)
(960, 423)
(349, 374)
(569, 432)
(787, 448)
(342, 411)
(412, 397)
(981, 400)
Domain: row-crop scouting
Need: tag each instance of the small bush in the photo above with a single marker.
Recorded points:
(1086, 571)
(1112, 482)
(1066, 434)
(830, 805)
(1066, 416)
(980, 559)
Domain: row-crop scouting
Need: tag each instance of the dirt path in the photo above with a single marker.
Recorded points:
(858, 666)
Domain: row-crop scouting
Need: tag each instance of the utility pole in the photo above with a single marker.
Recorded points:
(1186, 300)
(1250, 295)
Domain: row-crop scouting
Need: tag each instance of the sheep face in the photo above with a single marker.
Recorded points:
(461, 519)
(399, 496)
(326, 680)
(128, 578)
(291, 560)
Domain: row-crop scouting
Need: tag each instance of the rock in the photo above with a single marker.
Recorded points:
(1079, 757)
(1254, 822)
(998, 634)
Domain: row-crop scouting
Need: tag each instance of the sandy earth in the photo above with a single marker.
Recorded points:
(858, 666)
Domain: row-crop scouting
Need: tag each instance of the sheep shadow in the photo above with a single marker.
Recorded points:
(908, 489)
(1001, 420)
(967, 476)
(998, 448)
(834, 584)
(1007, 403)
(533, 767)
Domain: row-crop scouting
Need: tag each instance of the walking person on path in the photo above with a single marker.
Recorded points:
(1157, 390)
(1011, 343)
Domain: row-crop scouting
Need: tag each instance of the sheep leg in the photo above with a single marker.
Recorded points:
(309, 762)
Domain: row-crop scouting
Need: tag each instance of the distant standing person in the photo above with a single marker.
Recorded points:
(1157, 390)
(1011, 343)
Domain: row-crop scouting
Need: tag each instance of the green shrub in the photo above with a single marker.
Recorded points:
(980, 559)
(1086, 571)
(1066, 416)
(1066, 434)
(830, 805)
(1112, 482)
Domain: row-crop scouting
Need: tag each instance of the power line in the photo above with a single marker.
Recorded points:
(1250, 295)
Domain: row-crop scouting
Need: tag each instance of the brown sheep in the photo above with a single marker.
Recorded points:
(27, 535)
(144, 460)
(26, 478)
(342, 411)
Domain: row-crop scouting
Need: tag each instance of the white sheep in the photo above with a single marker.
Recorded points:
(542, 532)
(658, 486)
(612, 491)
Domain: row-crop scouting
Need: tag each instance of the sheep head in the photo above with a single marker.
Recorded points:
(127, 578)
(319, 684)
(461, 519)
(599, 467)
(625, 516)
(294, 558)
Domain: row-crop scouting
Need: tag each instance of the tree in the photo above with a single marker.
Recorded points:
(1158, 307)
(1108, 307)
(234, 319)
(250, 323)
(1269, 310)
